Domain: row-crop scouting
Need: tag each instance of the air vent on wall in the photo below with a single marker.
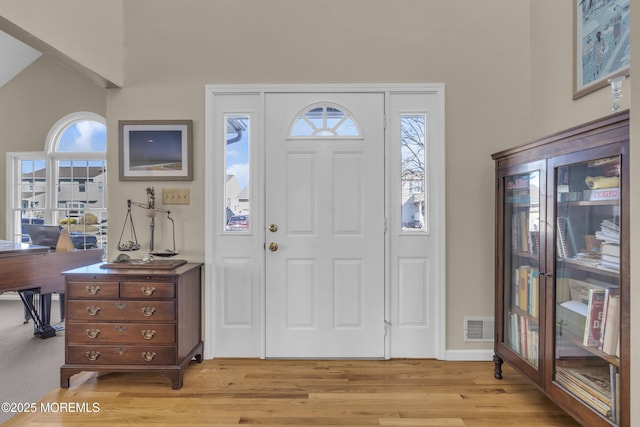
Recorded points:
(478, 329)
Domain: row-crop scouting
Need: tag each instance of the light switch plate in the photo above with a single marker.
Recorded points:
(175, 196)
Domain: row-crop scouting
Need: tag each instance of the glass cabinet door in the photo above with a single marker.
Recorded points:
(521, 290)
(587, 282)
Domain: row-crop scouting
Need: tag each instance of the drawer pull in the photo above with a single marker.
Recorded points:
(93, 355)
(121, 351)
(120, 328)
(121, 305)
(93, 289)
(93, 333)
(148, 356)
(148, 290)
(93, 310)
(147, 334)
(148, 311)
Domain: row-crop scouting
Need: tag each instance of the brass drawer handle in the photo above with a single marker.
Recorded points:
(93, 310)
(93, 355)
(148, 311)
(93, 333)
(93, 289)
(148, 290)
(147, 334)
(121, 305)
(148, 356)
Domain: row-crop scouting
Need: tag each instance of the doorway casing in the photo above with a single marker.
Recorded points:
(234, 321)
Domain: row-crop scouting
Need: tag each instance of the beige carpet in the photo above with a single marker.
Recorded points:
(30, 366)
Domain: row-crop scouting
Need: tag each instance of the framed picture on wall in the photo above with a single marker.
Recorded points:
(601, 43)
(154, 150)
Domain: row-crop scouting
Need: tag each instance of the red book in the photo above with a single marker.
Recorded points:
(595, 309)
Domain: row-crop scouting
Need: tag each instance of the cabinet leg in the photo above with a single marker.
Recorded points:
(497, 370)
(65, 375)
(176, 379)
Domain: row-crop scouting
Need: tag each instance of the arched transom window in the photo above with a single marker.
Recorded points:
(324, 121)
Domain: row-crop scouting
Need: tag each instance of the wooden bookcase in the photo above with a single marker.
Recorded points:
(562, 267)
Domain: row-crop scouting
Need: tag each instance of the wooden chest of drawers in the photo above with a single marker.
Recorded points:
(121, 320)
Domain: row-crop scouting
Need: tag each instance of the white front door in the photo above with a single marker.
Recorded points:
(324, 212)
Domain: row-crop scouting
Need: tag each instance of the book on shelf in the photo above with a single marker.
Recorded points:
(602, 194)
(523, 273)
(526, 289)
(595, 307)
(518, 182)
(534, 288)
(610, 330)
(615, 390)
(609, 232)
(524, 238)
(609, 256)
(524, 336)
(611, 249)
(592, 384)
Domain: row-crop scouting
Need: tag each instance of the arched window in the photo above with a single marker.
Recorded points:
(66, 185)
(324, 121)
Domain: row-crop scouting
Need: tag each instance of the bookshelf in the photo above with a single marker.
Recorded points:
(562, 268)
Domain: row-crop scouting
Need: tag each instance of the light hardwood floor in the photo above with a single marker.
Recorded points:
(225, 392)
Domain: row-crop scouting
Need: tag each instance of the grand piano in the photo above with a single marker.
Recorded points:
(27, 268)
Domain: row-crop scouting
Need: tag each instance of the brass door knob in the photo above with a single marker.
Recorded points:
(273, 246)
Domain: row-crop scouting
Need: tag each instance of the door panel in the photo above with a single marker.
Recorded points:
(325, 194)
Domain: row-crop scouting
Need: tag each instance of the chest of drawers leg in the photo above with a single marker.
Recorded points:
(132, 320)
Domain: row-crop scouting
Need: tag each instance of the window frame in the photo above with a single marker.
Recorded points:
(51, 157)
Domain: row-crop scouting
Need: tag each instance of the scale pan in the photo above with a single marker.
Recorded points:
(166, 253)
(128, 247)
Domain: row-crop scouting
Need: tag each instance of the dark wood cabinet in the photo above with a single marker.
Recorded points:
(562, 268)
(122, 320)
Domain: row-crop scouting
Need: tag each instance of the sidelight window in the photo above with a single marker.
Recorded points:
(237, 180)
(414, 178)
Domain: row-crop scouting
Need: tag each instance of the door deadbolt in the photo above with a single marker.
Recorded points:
(273, 228)
(273, 246)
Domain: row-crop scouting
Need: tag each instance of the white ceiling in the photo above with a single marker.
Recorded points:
(15, 56)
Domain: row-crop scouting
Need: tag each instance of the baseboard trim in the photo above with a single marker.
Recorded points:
(469, 355)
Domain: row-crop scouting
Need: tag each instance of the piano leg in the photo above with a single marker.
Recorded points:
(45, 309)
(41, 329)
(62, 302)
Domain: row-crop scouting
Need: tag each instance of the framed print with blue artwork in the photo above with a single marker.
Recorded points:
(601, 43)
